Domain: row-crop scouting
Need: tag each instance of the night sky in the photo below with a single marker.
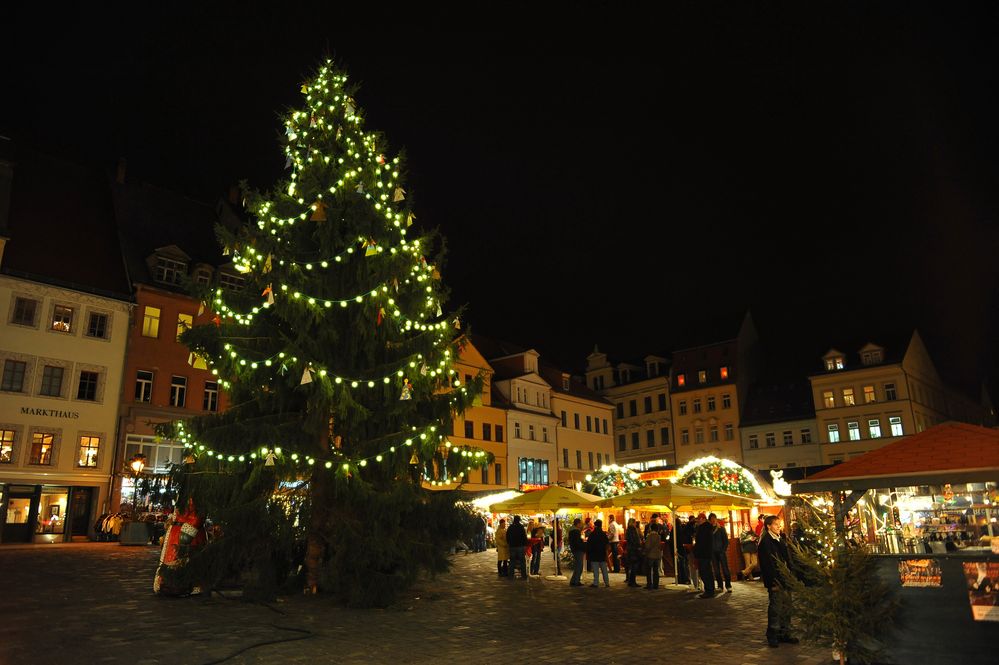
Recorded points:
(601, 175)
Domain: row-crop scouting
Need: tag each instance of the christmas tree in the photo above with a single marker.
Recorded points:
(338, 358)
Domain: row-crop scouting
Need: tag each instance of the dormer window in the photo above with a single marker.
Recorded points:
(723, 373)
(565, 383)
(652, 369)
(702, 376)
(203, 277)
(169, 271)
(835, 362)
(625, 376)
(872, 357)
(681, 380)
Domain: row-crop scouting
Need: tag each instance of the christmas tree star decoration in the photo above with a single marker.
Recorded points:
(398, 195)
(319, 211)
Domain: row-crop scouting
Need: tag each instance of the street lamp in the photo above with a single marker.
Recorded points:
(138, 463)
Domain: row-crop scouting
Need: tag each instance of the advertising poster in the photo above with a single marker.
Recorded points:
(919, 572)
(982, 577)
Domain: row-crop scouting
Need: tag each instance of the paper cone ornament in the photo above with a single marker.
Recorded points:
(269, 292)
(407, 391)
(306, 376)
(319, 212)
(350, 107)
(370, 247)
(305, 88)
(414, 460)
(398, 195)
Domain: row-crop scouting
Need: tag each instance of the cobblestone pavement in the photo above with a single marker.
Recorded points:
(92, 603)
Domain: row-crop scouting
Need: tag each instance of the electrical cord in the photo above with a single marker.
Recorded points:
(306, 635)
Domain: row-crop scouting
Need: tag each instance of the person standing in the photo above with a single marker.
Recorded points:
(633, 556)
(516, 538)
(653, 553)
(703, 551)
(578, 549)
(536, 544)
(759, 526)
(596, 549)
(683, 542)
(502, 550)
(719, 555)
(773, 547)
(747, 542)
(614, 535)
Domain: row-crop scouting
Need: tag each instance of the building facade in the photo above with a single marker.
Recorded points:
(778, 428)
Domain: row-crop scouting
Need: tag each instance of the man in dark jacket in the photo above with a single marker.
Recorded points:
(773, 546)
(597, 549)
(719, 556)
(703, 552)
(578, 549)
(516, 538)
(684, 538)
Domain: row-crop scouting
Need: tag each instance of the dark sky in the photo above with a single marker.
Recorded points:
(601, 175)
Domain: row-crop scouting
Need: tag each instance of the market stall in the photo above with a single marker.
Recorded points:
(926, 505)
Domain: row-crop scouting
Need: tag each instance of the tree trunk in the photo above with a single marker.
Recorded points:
(319, 517)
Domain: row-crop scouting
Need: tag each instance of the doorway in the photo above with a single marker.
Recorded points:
(80, 511)
(22, 514)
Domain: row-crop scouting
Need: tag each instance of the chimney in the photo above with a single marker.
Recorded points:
(234, 194)
(122, 165)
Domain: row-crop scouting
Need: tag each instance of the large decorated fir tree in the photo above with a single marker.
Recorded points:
(338, 356)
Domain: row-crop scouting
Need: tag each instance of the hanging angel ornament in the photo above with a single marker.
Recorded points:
(407, 390)
(398, 195)
(370, 247)
(360, 188)
(269, 292)
(350, 107)
(457, 323)
(269, 458)
(423, 369)
(409, 219)
(287, 162)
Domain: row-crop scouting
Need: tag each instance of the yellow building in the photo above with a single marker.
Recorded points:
(873, 395)
(585, 429)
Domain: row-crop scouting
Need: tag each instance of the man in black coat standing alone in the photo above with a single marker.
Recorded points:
(773, 546)
(516, 538)
(703, 552)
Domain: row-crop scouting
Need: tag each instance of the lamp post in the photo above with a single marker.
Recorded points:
(138, 463)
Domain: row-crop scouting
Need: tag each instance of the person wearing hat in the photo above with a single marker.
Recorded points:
(703, 551)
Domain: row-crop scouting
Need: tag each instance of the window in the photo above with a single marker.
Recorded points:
(648, 404)
(621, 442)
(485, 475)
(683, 407)
(788, 438)
(833, 433)
(498, 471)
(487, 432)
(684, 436)
(143, 386)
(698, 435)
(563, 419)
(544, 434)
(210, 401)
(565, 458)
(598, 383)
(620, 409)
(469, 429)
(516, 431)
(184, 322)
(13, 376)
(178, 390)
(726, 401)
(87, 390)
(533, 471)
(890, 394)
(579, 459)
(62, 318)
(650, 438)
(828, 399)
(151, 322)
(681, 380)
(600, 461)
(202, 277)
(697, 405)
(24, 311)
(51, 381)
(634, 440)
(754, 441)
(834, 363)
(872, 357)
(729, 432)
(6, 446)
(468, 379)
(664, 436)
(723, 373)
(711, 403)
(499, 433)
(771, 440)
(874, 427)
(702, 376)
(806, 435)
(97, 325)
(168, 270)
(632, 408)
(589, 424)
(89, 446)
(590, 460)
(530, 432)
(869, 395)
(41, 448)
(853, 429)
(575, 420)
(231, 282)
(848, 399)
(605, 425)
(896, 425)
(713, 433)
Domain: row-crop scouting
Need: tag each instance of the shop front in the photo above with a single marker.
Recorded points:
(926, 505)
(45, 513)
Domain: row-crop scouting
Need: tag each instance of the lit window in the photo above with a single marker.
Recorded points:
(178, 391)
(853, 428)
(184, 322)
(151, 322)
(848, 399)
(143, 386)
(874, 426)
(834, 363)
(62, 318)
(41, 448)
(723, 372)
(97, 326)
(869, 396)
(89, 445)
(833, 433)
(828, 399)
(896, 425)
(6, 446)
(681, 380)
(702, 376)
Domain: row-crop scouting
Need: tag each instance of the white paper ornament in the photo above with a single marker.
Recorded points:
(306, 376)
(360, 188)
(270, 459)
(398, 195)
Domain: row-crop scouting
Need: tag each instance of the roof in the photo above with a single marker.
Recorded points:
(61, 226)
(778, 402)
(895, 345)
(492, 348)
(949, 452)
(577, 387)
(719, 328)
